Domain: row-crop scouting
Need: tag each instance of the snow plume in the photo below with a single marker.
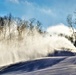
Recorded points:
(28, 45)
(60, 29)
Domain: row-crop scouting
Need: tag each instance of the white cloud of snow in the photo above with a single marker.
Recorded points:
(30, 47)
(60, 29)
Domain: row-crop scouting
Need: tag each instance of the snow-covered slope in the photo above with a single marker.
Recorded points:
(65, 67)
(46, 66)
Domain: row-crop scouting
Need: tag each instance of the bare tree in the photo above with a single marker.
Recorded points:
(72, 22)
(39, 27)
(9, 24)
(32, 20)
(1, 24)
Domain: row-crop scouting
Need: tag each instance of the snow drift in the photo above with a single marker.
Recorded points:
(29, 45)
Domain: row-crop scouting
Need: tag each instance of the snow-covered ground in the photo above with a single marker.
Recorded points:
(47, 66)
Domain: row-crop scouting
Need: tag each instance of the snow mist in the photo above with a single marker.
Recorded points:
(18, 45)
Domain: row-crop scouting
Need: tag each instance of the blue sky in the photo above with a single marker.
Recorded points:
(48, 12)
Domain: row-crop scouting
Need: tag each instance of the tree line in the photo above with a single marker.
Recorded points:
(7, 21)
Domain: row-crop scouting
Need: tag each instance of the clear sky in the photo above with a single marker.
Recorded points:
(48, 12)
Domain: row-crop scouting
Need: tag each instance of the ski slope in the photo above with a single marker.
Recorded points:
(47, 66)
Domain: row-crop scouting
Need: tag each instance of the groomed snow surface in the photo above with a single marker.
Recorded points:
(46, 66)
(30, 56)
